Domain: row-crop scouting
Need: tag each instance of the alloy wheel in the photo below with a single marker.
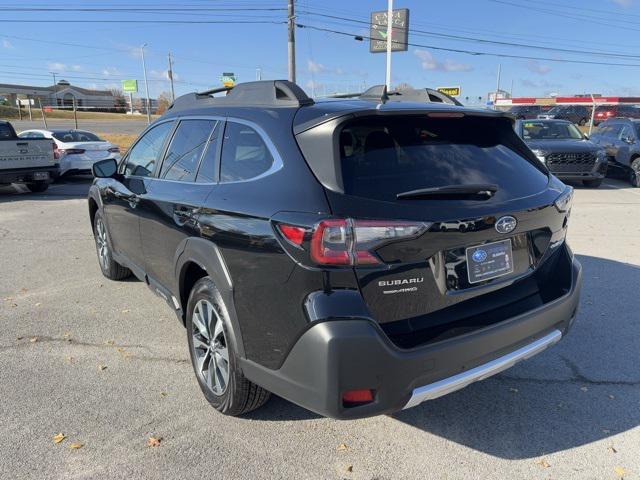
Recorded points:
(102, 245)
(210, 347)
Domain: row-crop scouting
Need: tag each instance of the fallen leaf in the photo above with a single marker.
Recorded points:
(102, 367)
(349, 469)
(37, 304)
(58, 438)
(584, 389)
(14, 305)
(342, 447)
(126, 310)
(121, 350)
(33, 339)
(543, 463)
(163, 394)
(19, 338)
(109, 342)
(66, 334)
(76, 446)
(23, 290)
(154, 441)
(612, 449)
(70, 359)
(621, 472)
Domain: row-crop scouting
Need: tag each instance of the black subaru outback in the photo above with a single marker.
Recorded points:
(355, 257)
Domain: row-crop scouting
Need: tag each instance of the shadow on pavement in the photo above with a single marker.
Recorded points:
(71, 187)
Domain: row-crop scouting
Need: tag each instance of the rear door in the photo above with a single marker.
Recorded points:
(175, 196)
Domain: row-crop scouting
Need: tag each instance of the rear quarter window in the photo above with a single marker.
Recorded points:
(383, 156)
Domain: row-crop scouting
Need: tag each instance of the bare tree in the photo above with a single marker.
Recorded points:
(164, 100)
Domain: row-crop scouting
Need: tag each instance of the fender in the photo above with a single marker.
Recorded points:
(208, 256)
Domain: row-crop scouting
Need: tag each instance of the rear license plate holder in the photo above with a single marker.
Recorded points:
(489, 261)
(41, 175)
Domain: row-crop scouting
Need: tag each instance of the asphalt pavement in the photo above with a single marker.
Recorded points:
(106, 364)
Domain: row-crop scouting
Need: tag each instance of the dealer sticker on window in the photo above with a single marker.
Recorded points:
(490, 260)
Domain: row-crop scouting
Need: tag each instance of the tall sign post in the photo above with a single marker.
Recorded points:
(228, 79)
(130, 87)
(389, 36)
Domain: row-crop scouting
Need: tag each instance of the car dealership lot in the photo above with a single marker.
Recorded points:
(106, 364)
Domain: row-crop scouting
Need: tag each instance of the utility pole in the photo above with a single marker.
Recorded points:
(55, 88)
(170, 74)
(146, 84)
(292, 41)
(389, 33)
(495, 100)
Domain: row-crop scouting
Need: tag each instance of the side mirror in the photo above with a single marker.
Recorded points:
(630, 140)
(105, 168)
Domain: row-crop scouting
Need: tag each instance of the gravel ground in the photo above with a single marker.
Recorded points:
(106, 364)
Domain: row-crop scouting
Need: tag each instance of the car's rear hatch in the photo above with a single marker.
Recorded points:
(486, 205)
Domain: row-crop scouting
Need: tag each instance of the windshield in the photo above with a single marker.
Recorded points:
(555, 110)
(72, 136)
(550, 131)
(382, 157)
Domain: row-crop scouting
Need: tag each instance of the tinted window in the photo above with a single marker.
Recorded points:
(31, 135)
(382, 157)
(71, 136)
(533, 130)
(6, 132)
(146, 152)
(207, 170)
(185, 150)
(244, 154)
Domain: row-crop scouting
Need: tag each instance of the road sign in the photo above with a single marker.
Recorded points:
(451, 91)
(228, 79)
(399, 31)
(130, 86)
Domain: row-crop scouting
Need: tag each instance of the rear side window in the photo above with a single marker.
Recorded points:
(384, 156)
(184, 152)
(6, 132)
(244, 154)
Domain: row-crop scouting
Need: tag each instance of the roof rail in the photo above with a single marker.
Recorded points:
(265, 93)
(379, 93)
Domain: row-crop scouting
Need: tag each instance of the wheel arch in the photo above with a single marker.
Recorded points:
(199, 258)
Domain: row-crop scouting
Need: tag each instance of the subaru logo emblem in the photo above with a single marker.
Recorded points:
(479, 256)
(506, 224)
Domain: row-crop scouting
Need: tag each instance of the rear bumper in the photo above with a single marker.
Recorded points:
(334, 356)
(80, 163)
(29, 175)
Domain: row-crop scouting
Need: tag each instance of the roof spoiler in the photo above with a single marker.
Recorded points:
(379, 93)
(265, 93)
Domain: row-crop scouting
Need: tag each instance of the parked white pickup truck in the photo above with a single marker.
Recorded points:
(30, 162)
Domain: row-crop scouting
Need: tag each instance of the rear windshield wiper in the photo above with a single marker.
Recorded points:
(478, 191)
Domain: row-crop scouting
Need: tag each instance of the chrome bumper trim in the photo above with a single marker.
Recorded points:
(461, 380)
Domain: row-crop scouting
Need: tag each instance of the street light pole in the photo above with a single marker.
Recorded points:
(291, 44)
(170, 74)
(55, 88)
(389, 33)
(146, 85)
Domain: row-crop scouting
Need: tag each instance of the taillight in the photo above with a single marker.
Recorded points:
(70, 151)
(340, 241)
(114, 150)
(56, 152)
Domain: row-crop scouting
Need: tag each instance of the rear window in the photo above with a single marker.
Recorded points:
(6, 132)
(550, 131)
(384, 156)
(72, 136)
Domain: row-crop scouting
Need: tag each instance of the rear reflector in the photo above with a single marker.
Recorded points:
(353, 398)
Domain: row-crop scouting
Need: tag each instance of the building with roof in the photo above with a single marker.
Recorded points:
(61, 95)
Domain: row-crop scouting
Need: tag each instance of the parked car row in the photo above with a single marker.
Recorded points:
(578, 114)
(36, 158)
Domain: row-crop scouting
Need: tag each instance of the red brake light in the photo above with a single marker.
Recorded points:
(294, 234)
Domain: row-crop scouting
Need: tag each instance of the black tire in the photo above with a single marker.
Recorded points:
(37, 187)
(239, 395)
(634, 174)
(595, 183)
(109, 267)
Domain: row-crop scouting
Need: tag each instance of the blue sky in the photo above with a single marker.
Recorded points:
(100, 55)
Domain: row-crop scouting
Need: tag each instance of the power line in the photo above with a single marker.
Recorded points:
(473, 52)
(188, 22)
